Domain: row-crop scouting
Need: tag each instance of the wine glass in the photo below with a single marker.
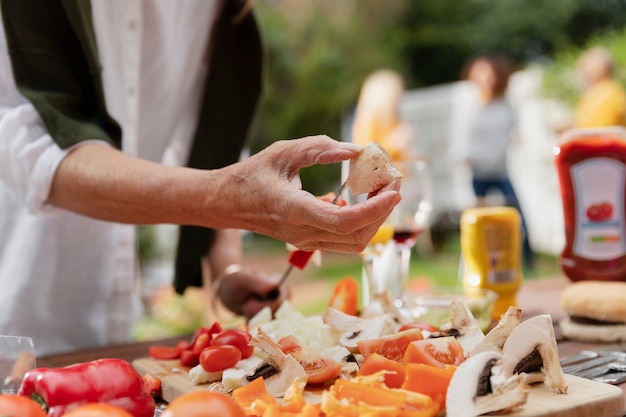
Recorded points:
(410, 218)
(372, 274)
(17, 356)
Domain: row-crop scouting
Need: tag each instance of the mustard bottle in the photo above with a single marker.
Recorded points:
(490, 248)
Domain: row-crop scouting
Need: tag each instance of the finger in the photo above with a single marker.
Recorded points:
(315, 150)
(325, 219)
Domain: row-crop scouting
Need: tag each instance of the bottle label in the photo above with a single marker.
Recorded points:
(499, 244)
(599, 195)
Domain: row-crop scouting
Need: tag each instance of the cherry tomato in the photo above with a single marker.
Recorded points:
(203, 404)
(390, 346)
(97, 410)
(210, 330)
(189, 358)
(218, 358)
(345, 296)
(439, 351)
(417, 325)
(237, 338)
(19, 406)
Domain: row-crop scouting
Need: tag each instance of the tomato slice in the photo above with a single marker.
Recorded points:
(345, 296)
(163, 352)
(394, 377)
(237, 338)
(219, 358)
(390, 346)
(439, 351)
(319, 369)
(418, 325)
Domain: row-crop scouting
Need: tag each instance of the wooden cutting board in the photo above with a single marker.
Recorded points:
(584, 398)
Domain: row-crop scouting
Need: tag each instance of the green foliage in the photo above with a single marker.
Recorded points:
(319, 52)
(316, 62)
(559, 76)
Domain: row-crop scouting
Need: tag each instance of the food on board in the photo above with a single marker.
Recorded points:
(531, 349)
(371, 170)
(479, 386)
(596, 311)
(495, 338)
(359, 364)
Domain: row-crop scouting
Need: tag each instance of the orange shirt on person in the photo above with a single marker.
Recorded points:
(603, 104)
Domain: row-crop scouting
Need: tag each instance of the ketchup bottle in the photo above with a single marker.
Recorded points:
(591, 166)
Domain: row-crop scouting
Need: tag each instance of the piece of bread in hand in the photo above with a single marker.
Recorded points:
(596, 311)
(371, 170)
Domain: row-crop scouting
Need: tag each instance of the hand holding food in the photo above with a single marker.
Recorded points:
(296, 216)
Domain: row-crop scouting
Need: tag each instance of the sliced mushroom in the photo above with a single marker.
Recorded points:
(355, 328)
(531, 347)
(463, 326)
(479, 386)
(347, 361)
(287, 367)
(494, 340)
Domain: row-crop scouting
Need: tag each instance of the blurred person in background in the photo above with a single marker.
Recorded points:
(491, 133)
(377, 115)
(603, 101)
(122, 112)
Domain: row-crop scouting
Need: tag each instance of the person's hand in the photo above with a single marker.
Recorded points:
(267, 194)
(245, 292)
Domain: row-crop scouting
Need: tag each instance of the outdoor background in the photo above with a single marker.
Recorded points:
(318, 53)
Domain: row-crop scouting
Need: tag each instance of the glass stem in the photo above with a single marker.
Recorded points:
(405, 261)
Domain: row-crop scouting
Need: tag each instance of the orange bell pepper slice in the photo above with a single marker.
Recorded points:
(430, 380)
(373, 396)
(345, 296)
(250, 395)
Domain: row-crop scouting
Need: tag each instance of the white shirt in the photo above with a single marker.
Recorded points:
(66, 280)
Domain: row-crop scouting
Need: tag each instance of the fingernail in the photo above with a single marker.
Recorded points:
(349, 146)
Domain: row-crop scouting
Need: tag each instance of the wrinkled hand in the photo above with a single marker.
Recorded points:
(245, 292)
(271, 201)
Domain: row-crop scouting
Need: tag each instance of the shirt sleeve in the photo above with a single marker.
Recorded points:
(29, 156)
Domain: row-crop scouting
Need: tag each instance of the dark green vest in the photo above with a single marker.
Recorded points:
(55, 63)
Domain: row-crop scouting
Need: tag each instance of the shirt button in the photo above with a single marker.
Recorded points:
(130, 91)
(131, 25)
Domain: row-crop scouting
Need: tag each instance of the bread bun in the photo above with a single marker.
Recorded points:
(599, 300)
(371, 170)
(593, 333)
(596, 311)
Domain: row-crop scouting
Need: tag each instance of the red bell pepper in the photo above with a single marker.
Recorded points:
(109, 381)
(299, 258)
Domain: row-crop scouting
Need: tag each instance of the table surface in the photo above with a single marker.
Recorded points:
(535, 297)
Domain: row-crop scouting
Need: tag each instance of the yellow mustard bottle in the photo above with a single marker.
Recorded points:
(491, 239)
